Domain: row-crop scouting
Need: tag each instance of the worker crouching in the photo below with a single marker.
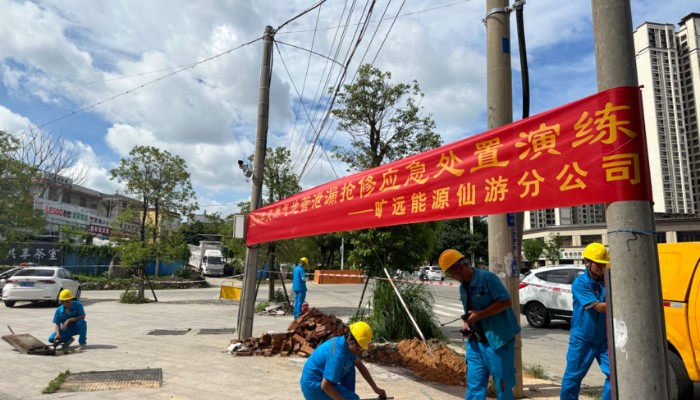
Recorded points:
(329, 373)
(69, 321)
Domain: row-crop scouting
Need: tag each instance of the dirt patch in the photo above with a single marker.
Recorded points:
(441, 364)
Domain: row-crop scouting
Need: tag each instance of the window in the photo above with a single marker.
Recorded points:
(83, 202)
(556, 276)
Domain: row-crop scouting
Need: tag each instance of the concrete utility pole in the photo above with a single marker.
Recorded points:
(638, 354)
(247, 308)
(503, 260)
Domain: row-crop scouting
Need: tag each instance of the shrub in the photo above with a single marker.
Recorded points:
(388, 318)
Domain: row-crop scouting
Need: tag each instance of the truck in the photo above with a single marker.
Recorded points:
(680, 284)
(207, 257)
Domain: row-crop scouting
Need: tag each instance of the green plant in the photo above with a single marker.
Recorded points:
(132, 297)
(388, 318)
(537, 371)
(279, 296)
(260, 307)
(185, 272)
(593, 394)
(56, 383)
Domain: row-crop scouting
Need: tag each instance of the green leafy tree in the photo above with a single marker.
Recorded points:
(456, 234)
(552, 248)
(385, 124)
(383, 120)
(532, 250)
(18, 217)
(161, 182)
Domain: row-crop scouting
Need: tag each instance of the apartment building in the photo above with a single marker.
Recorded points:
(668, 68)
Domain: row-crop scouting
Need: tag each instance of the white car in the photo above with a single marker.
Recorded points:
(545, 294)
(434, 273)
(39, 284)
(5, 276)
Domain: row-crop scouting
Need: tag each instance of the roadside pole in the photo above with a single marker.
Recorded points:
(499, 104)
(634, 296)
(247, 308)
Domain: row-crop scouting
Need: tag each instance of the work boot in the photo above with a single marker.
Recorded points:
(82, 347)
(67, 344)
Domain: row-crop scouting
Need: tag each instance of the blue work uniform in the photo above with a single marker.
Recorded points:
(299, 288)
(588, 339)
(78, 327)
(333, 361)
(495, 354)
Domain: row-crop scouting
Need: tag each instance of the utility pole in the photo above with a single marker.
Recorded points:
(636, 336)
(503, 260)
(247, 308)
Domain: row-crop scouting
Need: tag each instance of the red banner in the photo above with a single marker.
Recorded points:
(587, 152)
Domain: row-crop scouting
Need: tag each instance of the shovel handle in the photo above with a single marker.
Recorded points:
(11, 331)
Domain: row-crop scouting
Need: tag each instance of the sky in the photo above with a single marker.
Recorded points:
(183, 76)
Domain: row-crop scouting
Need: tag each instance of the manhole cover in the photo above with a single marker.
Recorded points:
(164, 332)
(110, 380)
(219, 331)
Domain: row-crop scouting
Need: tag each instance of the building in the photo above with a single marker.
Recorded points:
(65, 203)
(668, 68)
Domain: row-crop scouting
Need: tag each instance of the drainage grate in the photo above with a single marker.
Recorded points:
(164, 332)
(110, 380)
(219, 331)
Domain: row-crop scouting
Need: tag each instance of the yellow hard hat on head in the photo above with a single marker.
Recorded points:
(362, 333)
(66, 294)
(448, 258)
(597, 253)
(304, 260)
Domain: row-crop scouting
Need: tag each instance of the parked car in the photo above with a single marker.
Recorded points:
(6, 275)
(545, 294)
(434, 273)
(39, 284)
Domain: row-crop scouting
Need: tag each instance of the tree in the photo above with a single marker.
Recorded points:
(532, 250)
(384, 123)
(382, 119)
(161, 182)
(53, 158)
(552, 248)
(18, 217)
(455, 234)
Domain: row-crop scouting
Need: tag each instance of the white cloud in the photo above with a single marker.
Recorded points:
(59, 56)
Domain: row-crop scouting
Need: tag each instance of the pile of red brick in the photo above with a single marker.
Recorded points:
(301, 338)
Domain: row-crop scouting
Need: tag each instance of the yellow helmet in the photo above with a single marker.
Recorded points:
(66, 294)
(304, 260)
(597, 253)
(362, 333)
(448, 258)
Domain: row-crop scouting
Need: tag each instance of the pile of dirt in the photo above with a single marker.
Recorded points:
(439, 364)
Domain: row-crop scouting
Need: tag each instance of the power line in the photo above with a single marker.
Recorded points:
(188, 66)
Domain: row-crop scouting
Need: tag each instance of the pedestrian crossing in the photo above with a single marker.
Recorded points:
(451, 310)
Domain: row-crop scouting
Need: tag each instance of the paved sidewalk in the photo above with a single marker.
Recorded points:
(195, 366)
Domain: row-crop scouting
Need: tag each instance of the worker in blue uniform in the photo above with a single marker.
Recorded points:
(299, 285)
(329, 373)
(490, 325)
(588, 340)
(69, 321)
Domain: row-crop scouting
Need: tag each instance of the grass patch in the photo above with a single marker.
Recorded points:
(92, 282)
(56, 383)
(593, 394)
(132, 297)
(536, 371)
